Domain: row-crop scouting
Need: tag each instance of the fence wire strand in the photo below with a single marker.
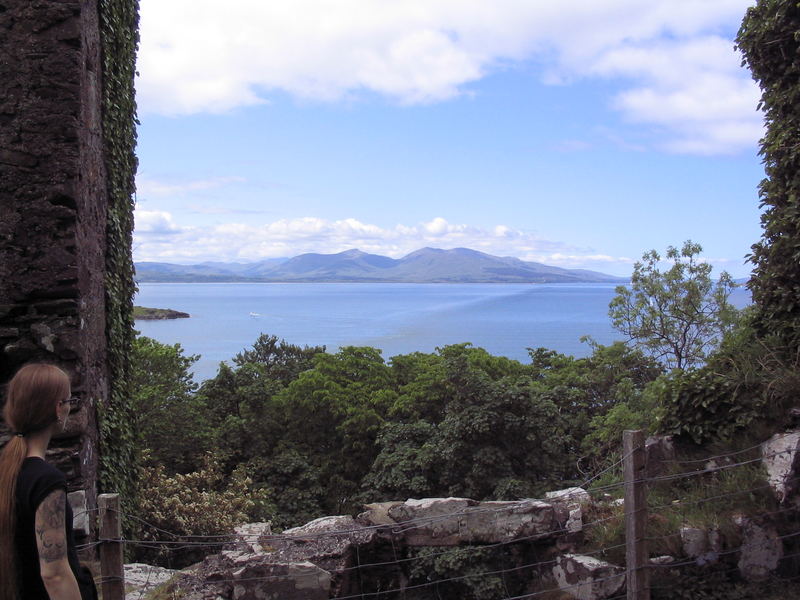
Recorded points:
(392, 531)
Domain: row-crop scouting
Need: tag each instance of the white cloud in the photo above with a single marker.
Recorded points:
(158, 238)
(146, 186)
(695, 90)
(155, 222)
(682, 75)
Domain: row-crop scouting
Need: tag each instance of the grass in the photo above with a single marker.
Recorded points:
(705, 501)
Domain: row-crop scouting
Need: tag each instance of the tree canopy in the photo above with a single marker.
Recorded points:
(678, 315)
(770, 46)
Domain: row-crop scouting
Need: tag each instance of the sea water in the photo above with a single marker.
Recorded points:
(397, 318)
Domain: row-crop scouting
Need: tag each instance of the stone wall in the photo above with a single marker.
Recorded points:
(53, 213)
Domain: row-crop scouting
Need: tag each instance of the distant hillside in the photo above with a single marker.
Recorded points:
(427, 265)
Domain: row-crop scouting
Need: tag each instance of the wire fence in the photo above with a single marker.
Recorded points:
(525, 563)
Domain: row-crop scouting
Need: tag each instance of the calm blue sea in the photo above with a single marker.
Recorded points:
(395, 317)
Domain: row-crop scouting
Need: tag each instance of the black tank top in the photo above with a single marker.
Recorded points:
(36, 480)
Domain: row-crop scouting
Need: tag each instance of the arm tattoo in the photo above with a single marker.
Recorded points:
(51, 532)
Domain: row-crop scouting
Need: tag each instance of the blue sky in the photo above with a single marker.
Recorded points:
(578, 134)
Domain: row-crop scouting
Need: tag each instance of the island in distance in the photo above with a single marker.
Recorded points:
(427, 265)
(145, 313)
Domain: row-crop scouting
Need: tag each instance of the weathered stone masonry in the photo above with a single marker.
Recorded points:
(53, 213)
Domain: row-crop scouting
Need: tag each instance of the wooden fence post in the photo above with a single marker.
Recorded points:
(634, 458)
(111, 570)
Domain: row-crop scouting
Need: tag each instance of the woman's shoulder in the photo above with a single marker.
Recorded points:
(38, 466)
(37, 478)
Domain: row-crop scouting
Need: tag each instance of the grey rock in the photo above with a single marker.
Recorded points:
(140, 579)
(454, 521)
(659, 452)
(574, 522)
(761, 550)
(377, 513)
(495, 522)
(716, 540)
(238, 576)
(780, 459)
(695, 541)
(436, 520)
(588, 578)
(21, 350)
(81, 524)
(44, 336)
(573, 495)
(264, 580)
(250, 537)
(569, 504)
(328, 542)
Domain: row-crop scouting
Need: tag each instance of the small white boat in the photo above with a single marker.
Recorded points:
(254, 314)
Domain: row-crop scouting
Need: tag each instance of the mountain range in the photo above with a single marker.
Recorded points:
(427, 265)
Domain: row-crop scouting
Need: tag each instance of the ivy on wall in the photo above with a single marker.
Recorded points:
(119, 35)
(769, 39)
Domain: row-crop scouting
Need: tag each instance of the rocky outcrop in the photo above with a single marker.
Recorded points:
(341, 555)
(141, 579)
(762, 549)
(249, 537)
(456, 521)
(238, 576)
(659, 452)
(573, 495)
(694, 541)
(781, 460)
(588, 578)
(702, 545)
(570, 504)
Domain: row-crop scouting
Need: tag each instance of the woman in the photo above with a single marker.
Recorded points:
(38, 559)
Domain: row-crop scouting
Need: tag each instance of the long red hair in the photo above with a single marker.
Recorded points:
(32, 399)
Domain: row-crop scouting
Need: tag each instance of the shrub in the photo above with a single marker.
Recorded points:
(193, 508)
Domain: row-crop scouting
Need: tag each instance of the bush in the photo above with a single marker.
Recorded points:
(705, 405)
(198, 505)
(749, 383)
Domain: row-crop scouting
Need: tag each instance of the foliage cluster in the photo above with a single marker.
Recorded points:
(679, 315)
(705, 501)
(202, 503)
(770, 45)
(466, 569)
(119, 40)
(745, 387)
(727, 376)
(322, 433)
(718, 583)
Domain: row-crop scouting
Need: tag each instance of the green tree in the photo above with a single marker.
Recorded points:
(586, 389)
(246, 420)
(162, 395)
(487, 421)
(678, 315)
(770, 45)
(407, 465)
(280, 360)
(333, 414)
(491, 431)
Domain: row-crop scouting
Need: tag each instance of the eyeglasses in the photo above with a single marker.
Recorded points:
(72, 401)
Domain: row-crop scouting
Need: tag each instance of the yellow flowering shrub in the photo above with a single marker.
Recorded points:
(182, 516)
